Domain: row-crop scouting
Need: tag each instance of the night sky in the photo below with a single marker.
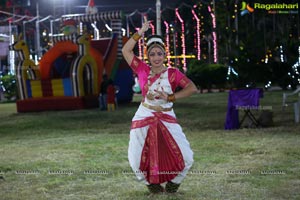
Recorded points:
(78, 6)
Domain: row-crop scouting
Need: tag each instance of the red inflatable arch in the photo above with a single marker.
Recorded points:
(61, 48)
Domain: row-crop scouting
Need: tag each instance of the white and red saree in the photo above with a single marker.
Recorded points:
(158, 149)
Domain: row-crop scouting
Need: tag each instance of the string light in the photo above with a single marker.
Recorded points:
(140, 47)
(182, 39)
(281, 54)
(231, 70)
(214, 34)
(152, 28)
(299, 54)
(266, 59)
(295, 67)
(198, 34)
(268, 85)
(168, 43)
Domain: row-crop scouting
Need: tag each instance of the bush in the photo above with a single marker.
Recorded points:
(9, 85)
(207, 75)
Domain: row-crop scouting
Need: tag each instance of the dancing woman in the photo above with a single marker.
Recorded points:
(158, 150)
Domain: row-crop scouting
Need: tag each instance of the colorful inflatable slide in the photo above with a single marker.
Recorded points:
(69, 74)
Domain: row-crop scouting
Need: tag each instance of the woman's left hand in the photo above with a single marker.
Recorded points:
(162, 94)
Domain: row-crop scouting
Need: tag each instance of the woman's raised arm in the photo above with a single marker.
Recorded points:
(127, 49)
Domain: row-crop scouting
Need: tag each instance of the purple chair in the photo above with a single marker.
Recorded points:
(242, 99)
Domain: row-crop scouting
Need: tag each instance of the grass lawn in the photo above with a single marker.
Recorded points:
(82, 154)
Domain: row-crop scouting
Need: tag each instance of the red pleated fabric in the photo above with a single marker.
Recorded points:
(161, 158)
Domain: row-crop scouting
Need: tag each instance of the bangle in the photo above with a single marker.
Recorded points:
(171, 98)
(136, 36)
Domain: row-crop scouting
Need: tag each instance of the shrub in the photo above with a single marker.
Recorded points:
(207, 75)
(9, 85)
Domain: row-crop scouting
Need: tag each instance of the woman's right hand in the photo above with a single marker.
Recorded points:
(145, 26)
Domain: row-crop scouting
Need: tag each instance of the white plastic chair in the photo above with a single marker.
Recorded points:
(292, 101)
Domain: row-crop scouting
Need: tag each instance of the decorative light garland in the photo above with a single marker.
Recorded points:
(281, 54)
(231, 70)
(140, 46)
(266, 59)
(168, 43)
(268, 85)
(299, 54)
(214, 34)
(197, 37)
(198, 34)
(295, 67)
(182, 38)
(152, 28)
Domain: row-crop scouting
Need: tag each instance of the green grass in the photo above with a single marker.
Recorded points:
(90, 148)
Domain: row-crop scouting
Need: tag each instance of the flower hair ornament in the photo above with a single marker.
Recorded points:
(155, 41)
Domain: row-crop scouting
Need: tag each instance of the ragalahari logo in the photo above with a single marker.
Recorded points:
(246, 9)
(270, 8)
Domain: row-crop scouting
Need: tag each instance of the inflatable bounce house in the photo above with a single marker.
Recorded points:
(69, 75)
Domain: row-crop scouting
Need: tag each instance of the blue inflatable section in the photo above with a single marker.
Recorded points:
(28, 86)
(124, 80)
(67, 87)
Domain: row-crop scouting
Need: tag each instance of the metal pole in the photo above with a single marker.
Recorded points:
(209, 50)
(54, 14)
(174, 45)
(24, 32)
(12, 54)
(51, 31)
(64, 4)
(142, 20)
(158, 17)
(127, 26)
(37, 25)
